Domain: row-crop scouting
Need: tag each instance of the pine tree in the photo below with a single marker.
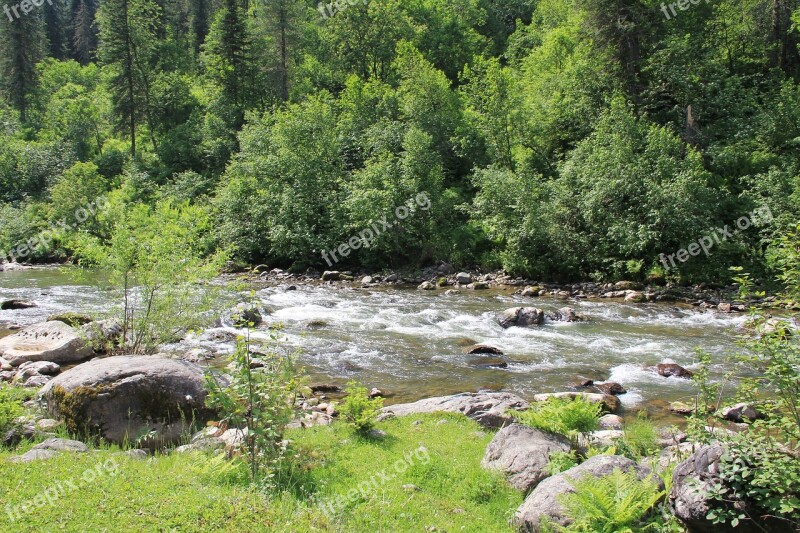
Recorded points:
(22, 45)
(56, 22)
(84, 37)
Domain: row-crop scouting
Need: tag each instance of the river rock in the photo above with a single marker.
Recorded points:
(426, 286)
(689, 501)
(463, 278)
(521, 316)
(673, 370)
(565, 314)
(542, 502)
(31, 368)
(33, 455)
(10, 305)
(601, 438)
(635, 297)
(49, 341)
(610, 387)
(331, 275)
(478, 285)
(482, 349)
(490, 409)
(530, 291)
(611, 422)
(741, 412)
(71, 319)
(627, 286)
(120, 398)
(102, 334)
(610, 403)
(37, 382)
(522, 454)
(681, 408)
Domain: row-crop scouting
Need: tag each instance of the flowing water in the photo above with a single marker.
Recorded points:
(409, 342)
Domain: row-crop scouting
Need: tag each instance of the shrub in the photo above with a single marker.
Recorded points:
(358, 409)
(561, 461)
(260, 402)
(567, 417)
(617, 503)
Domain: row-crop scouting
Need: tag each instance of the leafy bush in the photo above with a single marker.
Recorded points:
(260, 402)
(617, 503)
(567, 417)
(358, 409)
(562, 461)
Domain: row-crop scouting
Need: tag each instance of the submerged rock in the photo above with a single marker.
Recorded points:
(482, 349)
(49, 341)
(10, 305)
(490, 409)
(124, 397)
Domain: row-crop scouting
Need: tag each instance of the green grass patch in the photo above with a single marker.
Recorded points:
(438, 454)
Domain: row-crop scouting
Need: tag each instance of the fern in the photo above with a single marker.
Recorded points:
(617, 503)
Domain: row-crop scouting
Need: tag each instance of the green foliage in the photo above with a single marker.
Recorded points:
(156, 257)
(358, 409)
(617, 503)
(640, 438)
(11, 399)
(259, 402)
(561, 461)
(563, 416)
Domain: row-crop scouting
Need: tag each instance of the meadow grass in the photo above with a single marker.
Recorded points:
(440, 489)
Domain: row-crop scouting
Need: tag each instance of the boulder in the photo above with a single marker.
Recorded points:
(71, 319)
(33, 455)
(331, 275)
(681, 408)
(33, 368)
(673, 370)
(602, 438)
(37, 382)
(478, 285)
(124, 397)
(529, 292)
(426, 286)
(490, 409)
(741, 412)
(464, 278)
(522, 454)
(10, 305)
(62, 445)
(689, 500)
(49, 341)
(635, 297)
(565, 314)
(610, 403)
(611, 422)
(627, 286)
(610, 387)
(102, 334)
(521, 316)
(543, 502)
(482, 349)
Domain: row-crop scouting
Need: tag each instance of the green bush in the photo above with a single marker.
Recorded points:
(260, 401)
(640, 438)
(567, 417)
(358, 409)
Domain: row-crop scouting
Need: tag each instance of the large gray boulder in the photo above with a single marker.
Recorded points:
(523, 453)
(49, 341)
(125, 397)
(543, 502)
(521, 317)
(490, 409)
(689, 501)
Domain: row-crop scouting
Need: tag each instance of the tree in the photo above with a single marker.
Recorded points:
(22, 45)
(84, 38)
(127, 37)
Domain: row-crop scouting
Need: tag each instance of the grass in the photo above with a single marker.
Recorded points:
(197, 493)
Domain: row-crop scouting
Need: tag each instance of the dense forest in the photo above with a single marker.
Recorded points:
(558, 139)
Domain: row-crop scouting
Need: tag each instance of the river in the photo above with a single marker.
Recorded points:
(409, 342)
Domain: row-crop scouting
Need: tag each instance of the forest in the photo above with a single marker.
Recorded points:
(555, 139)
